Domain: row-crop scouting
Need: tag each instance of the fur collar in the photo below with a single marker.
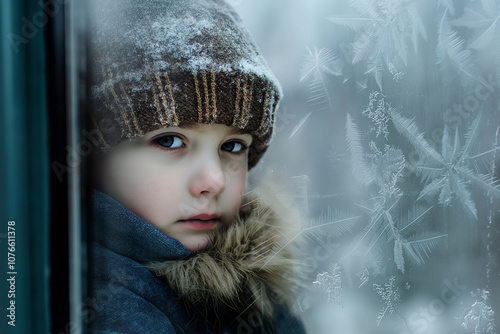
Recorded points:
(247, 267)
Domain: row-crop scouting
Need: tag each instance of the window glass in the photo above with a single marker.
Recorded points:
(391, 118)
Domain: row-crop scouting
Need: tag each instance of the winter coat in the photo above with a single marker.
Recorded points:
(145, 282)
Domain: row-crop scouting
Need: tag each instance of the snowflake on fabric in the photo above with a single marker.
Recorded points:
(234, 2)
(480, 315)
(331, 284)
(378, 111)
(389, 294)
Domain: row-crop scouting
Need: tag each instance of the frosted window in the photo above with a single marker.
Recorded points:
(390, 130)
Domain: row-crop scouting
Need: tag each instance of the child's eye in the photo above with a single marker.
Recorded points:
(170, 141)
(234, 147)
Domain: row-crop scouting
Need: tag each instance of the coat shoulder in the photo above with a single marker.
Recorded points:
(126, 297)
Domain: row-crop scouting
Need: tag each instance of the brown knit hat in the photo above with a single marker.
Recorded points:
(160, 63)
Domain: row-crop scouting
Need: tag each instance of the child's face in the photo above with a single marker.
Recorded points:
(171, 175)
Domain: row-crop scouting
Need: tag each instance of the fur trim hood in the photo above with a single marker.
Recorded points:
(247, 267)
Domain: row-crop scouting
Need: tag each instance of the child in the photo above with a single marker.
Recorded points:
(184, 105)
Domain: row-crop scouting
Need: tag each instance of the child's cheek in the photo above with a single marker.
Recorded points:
(238, 184)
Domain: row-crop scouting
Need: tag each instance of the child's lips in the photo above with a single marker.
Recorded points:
(200, 224)
(202, 221)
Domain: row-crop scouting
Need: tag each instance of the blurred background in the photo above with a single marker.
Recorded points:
(388, 135)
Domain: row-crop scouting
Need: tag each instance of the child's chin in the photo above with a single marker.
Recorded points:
(195, 244)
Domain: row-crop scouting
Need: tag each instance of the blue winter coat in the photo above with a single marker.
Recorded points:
(126, 297)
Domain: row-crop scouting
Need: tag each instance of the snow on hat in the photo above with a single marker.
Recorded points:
(160, 63)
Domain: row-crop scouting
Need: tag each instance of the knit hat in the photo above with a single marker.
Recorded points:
(160, 63)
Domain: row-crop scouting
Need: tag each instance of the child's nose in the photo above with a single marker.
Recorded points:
(208, 179)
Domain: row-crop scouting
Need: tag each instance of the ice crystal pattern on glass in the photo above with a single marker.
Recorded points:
(330, 283)
(448, 173)
(419, 94)
(378, 110)
(480, 316)
(389, 294)
(381, 25)
(319, 64)
(384, 169)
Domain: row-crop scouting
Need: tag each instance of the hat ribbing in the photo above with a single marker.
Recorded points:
(160, 63)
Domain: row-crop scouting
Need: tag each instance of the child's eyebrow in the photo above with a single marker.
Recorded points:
(239, 131)
(233, 130)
